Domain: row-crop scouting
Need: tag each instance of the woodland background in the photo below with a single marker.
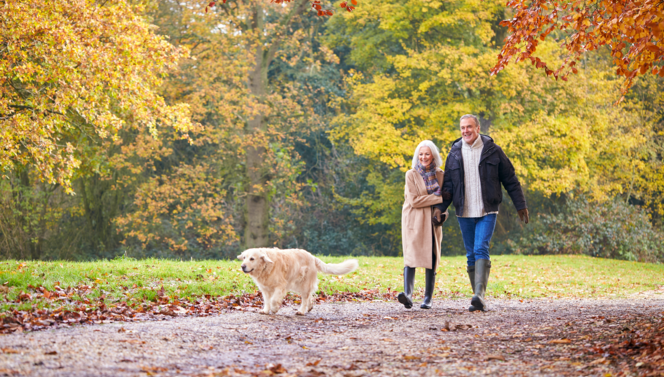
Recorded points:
(160, 129)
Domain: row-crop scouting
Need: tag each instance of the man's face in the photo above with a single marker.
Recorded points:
(469, 130)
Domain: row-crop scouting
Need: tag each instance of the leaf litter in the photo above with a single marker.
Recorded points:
(76, 308)
(355, 337)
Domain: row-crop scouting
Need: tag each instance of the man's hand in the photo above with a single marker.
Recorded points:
(523, 215)
(446, 195)
(437, 217)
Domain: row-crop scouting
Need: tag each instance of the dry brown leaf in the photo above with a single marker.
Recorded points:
(560, 341)
(153, 369)
(495, 357)
(132, 341)
(600, 361)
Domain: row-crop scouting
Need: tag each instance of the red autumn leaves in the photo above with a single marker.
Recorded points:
(632, 29)
(72, 305)
(348, 7)
(315, 5)
(637, 349)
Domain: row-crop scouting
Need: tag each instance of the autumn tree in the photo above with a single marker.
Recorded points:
(72, 72)
(266, 30)
(73, 75)
(423, 64)
(239, 128)
(632, 29)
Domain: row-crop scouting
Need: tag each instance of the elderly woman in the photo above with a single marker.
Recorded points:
(421, 240)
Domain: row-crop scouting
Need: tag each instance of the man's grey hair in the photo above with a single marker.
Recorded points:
(434, 151)
(477, 121)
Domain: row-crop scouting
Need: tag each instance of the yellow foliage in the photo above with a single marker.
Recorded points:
(563, 137)
(74, 72)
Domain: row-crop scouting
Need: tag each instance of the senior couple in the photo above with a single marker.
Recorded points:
(474, 170)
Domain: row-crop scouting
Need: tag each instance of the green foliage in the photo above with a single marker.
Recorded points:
(348, 100)
(611, 229)
(420, 65)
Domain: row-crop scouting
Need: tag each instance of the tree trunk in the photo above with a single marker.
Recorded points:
(257, 206)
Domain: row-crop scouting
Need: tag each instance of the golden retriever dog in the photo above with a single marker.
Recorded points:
(277, 272)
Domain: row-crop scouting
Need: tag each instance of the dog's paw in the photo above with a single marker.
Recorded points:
(299, 313)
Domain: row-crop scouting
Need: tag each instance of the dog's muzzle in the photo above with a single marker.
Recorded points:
(244, 269)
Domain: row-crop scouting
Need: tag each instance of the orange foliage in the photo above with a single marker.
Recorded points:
(72, 74)
(173, 210)
(632, 29)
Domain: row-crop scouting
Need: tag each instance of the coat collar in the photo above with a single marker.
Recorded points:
(489, 147)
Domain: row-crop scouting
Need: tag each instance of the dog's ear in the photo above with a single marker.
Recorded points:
(266, 258)
(241, 256)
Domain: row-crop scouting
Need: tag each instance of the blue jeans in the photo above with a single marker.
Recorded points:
(477, 233)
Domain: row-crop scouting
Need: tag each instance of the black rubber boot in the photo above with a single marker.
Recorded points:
(471, 276)
(429, 288)
(482, 269)
(406, 297)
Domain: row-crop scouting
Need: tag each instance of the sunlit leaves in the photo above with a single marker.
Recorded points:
(173, 211)
(316, 5)
(633, 29)
(73, 73)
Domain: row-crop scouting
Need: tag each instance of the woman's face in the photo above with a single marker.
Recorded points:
(425, 156)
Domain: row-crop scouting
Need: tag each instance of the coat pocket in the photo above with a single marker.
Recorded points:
(493, 194)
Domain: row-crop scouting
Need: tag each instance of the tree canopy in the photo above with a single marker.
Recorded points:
(187, 133)
(73, 73)
(632, 29)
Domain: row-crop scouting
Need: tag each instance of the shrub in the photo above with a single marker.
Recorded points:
(612, 229)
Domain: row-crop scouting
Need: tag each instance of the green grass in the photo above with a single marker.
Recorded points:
(511, 277)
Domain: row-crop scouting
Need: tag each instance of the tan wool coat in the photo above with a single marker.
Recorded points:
(416, 228)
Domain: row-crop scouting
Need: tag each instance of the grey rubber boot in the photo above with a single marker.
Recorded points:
(406, 297)
(429, 287)
(482, 270)
(471, 276)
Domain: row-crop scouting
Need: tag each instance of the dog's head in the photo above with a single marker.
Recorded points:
(254, 260)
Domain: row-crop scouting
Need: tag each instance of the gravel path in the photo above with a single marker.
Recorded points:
(531, 337)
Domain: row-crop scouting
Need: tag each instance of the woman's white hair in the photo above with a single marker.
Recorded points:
(434, 151)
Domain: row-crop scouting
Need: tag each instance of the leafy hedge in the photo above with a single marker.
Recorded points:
(612, 229)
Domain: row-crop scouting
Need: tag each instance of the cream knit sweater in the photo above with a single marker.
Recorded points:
(473, 206)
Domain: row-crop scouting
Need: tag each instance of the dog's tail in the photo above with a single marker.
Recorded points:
(342, 268)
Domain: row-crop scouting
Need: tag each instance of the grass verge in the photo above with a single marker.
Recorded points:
(141, 280)
(38, 295)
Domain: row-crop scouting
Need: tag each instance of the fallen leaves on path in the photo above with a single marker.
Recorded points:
(638, 349)
(562, 338)
(77, 308)
(495, 357)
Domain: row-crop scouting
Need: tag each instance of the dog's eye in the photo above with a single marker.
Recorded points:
(251, 258)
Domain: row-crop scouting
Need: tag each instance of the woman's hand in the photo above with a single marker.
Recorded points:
(438, 217)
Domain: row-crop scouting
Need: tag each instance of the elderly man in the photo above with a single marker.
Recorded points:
(474, 170)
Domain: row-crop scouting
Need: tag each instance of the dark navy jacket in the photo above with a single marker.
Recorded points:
(495, 169)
